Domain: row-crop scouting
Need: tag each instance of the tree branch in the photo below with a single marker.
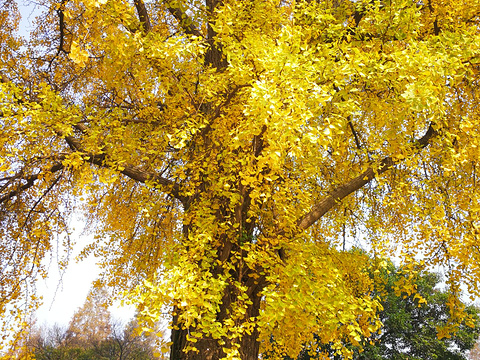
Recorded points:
(30, 181)
(143, 15)
(61, 19)
(131, 171)
(355, 136)
(50, 187)
(214, 55)
(355, 184)
(185, 22)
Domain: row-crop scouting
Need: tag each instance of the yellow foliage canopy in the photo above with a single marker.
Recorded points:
(224, 150)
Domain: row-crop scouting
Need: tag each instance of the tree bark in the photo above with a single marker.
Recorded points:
(211, 349)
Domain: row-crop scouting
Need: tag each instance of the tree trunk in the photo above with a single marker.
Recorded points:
(211, 349)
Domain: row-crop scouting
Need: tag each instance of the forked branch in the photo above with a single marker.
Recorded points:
(131, 171)
(355, 184)
(183, 19)
(29, 182)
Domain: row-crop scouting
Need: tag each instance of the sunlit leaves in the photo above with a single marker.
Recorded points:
(78, 55)
(196, 148)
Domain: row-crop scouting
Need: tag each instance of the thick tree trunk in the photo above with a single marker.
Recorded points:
(211, 349)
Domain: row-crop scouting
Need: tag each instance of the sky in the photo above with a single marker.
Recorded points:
(65, 291)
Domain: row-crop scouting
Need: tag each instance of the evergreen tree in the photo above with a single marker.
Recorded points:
(411, 322)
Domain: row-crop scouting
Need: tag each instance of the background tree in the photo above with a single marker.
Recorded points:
(410, 322)
(474, 353)
(225, 149)
(124, 344)
(92, 335)
(130, 343)
(91, 323)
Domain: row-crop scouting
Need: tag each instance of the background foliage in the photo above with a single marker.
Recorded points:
(410, 322)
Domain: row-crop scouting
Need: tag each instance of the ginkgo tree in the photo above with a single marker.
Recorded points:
(222, 151)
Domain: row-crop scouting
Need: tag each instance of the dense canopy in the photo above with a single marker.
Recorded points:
(225, 152)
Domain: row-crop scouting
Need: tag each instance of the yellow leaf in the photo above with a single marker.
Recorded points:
(78, 55)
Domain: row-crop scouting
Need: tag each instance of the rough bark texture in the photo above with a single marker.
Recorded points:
(211, 349)
(143, 15)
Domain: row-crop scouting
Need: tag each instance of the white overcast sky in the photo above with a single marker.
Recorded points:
(65, 291)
